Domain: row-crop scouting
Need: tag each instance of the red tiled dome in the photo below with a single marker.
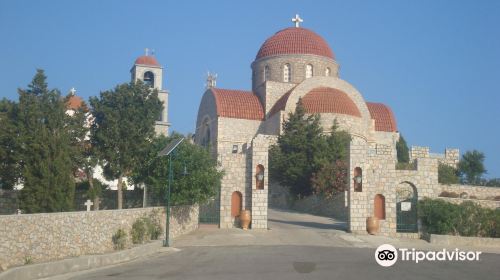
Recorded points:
(147, 60)
(237, 104)
(383, 116)
(74, 102)
(295, 40)
(329, 100)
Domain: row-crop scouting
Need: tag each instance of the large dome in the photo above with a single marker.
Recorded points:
(295, 40)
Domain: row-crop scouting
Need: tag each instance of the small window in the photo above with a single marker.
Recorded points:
(149, 79)
(286, 73)
(327, 72)
(309, 71)
(358, 179)
(259, 177)
(235, 149)
(267, 73)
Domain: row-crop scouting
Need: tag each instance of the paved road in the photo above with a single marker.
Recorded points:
(297, 247)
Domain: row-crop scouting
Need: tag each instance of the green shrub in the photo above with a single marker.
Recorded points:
(138, 231)
(447, 174)
(406, 165)
(119, 239)
(146, 228)
(154, 224)
(465, 219)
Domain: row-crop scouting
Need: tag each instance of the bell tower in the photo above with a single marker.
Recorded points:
(147, 69)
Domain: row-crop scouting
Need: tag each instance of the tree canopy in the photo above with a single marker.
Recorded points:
(471, 167)
(402, 150)
(45, 148)
(303, 152)
(123, 128)
(195, 174)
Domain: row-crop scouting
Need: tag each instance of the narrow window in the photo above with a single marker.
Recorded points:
(286, 73)
(235, 149)
(327, 72)
(358, 179)
(267, 73)
(259, 177)
(309, 71)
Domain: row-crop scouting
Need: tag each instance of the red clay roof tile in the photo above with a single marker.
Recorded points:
(383, 116)
(295, 40)
(147, 60)
(238, 104)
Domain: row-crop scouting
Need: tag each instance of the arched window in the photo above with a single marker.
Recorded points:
(235, 204)
(379, 207)
(358, 179)
(259, 177)
(205, 142)
(149, 79)
(267, 73)
(286, 73)
(309, 71)
(327, 72)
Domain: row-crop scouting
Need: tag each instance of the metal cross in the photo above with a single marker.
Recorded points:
(72, 91)
(297, 20)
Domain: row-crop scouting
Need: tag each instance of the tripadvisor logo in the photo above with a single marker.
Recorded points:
(387, 255)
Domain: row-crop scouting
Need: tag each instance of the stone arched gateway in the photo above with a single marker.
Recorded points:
(406, 207)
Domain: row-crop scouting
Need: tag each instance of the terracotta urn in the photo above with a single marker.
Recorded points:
(372, 225)
(245, 218)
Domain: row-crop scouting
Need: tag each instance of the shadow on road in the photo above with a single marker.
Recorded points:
(337, 226)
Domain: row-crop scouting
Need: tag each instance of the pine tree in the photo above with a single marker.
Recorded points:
(46, 149)
(471, 167)
(295, 157)
(10, 168)
(123, 128)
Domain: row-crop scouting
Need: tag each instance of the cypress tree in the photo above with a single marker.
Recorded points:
(46, 149)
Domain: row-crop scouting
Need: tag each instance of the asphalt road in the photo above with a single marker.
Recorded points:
(298, 246)
(290, 262)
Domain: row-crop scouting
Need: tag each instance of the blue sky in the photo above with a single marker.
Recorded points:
(436, 63)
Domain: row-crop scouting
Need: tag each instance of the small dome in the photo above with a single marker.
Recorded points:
(74, 102)
(383, 116)
(147, 60)
(329, 100)
(295, 40)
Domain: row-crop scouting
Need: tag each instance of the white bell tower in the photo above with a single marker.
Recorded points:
(147, 69)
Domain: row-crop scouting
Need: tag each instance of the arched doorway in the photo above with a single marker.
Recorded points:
(379, 207)
(236, 204)
(406, 207)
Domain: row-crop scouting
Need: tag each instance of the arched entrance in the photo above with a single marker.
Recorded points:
(406, 207)
(236, 204)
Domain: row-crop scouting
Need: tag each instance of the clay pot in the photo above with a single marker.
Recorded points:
(245, 218)
(372, 225)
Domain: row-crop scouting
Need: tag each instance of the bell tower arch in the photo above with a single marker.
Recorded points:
(147, 69)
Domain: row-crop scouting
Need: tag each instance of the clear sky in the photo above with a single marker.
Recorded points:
(436, 63)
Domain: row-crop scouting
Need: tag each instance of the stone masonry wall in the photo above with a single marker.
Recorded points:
(335, 207)
(478, 191)
(450, 157)
(483, 203)
(52, 236)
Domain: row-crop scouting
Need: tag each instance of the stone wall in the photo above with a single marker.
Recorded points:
(450, 157)
(335, 207)
(478, 191)
(483, 203)
(52, 236)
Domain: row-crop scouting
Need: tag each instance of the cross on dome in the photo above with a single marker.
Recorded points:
(297, 20)
(146, 51)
